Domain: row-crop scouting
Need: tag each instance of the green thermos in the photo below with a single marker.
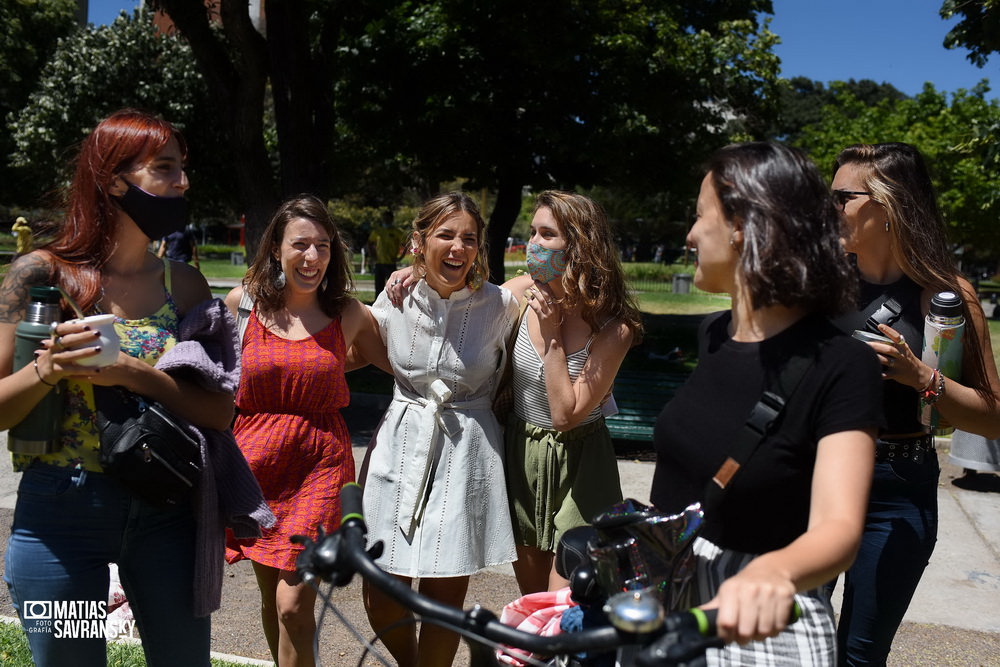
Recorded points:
(39, 432)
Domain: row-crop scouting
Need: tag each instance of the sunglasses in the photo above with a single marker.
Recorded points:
(841, 197)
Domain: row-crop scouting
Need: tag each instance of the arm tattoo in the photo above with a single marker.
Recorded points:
(26, 272)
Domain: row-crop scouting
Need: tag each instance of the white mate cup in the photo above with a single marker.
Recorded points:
(108, 341)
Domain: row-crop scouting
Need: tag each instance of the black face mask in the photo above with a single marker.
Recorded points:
(156, 216)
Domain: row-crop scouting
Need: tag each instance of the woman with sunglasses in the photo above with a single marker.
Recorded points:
(897, 237)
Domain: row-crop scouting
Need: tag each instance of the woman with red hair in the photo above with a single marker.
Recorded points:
(71, 519)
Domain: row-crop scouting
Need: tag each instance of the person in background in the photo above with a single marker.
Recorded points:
(767, 233)
(898, 241)
(561, 465)
(22, 232)
(385, 248)
(70, 519)
(301, 326)
(434, 489)
(180, 246)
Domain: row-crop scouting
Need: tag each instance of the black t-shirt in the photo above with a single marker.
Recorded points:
(767, 503)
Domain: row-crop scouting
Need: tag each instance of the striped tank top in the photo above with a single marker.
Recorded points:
(531, 401)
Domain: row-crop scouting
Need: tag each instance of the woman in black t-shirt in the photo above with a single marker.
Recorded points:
(767, 232)
(899, 242)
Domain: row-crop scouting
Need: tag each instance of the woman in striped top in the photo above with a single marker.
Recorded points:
(580, 322)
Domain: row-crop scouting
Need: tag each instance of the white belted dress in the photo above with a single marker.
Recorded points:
(435, 492)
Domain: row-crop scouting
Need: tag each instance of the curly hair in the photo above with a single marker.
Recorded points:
(594, 278)
(791, 253)
(261, 280)
(897, 177)
(434, 212)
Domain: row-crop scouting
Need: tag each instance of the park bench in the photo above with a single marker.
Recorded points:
(640, 396)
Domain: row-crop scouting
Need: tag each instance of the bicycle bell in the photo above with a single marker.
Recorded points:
(637, 611)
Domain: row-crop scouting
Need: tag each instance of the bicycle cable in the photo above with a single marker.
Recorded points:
(328, 604)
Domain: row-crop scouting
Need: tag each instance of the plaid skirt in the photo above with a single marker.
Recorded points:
(811, 640)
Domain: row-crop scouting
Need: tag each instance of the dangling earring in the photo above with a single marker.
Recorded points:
(323, 284)
(886, 225)
(475, 278)
(279, 282)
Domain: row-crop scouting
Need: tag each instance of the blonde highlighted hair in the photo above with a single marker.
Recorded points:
(434, 212)
(897, 177)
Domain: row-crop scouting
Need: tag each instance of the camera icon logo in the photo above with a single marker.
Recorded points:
(38, 610)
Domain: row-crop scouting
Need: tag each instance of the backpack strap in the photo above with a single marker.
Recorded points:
(243, 314)
(167, 278)
(885, 312)
(763, 416)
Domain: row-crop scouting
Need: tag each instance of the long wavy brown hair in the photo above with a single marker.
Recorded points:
(594, 278)
(85, 240)
(898, 179)
(261, 279)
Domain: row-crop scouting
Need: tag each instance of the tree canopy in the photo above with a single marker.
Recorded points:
(505, 93)
(96, 71)
(31, 32)
(947, 132)
(977, 30)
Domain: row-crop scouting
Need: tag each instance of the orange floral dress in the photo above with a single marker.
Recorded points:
(291, 432)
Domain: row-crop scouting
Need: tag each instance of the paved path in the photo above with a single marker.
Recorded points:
(954, 617)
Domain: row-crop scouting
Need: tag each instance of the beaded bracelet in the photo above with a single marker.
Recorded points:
(931, 395)
(39, 374)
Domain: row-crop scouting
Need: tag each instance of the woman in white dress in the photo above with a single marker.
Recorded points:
(434, 490)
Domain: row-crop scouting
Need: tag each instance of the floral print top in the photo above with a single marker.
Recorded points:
(147, 339)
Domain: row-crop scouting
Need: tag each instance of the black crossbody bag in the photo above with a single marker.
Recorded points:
(146, 448)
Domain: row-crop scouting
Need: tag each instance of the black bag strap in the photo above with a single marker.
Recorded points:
(762, 417)
(878, 312)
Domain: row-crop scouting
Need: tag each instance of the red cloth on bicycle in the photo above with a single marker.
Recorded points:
(291, 432)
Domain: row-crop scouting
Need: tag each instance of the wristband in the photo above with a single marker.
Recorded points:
(931, 395)
(39, 374)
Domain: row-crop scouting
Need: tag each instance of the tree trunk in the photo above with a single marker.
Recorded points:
(237, 86)
(502, 221)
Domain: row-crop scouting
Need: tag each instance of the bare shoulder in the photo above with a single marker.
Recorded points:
(354, 318)
(615, 332)
(25, 272)
(353, 311)
(233, 299)
(188, 286)
(518, 284)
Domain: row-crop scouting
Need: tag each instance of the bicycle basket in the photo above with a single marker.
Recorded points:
(638, 547)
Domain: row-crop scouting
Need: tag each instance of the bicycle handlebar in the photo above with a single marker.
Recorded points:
(338, 556)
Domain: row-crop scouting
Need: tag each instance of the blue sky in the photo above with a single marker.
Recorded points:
(898, 41)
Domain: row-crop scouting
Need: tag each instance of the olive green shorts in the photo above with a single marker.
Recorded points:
(558, 480)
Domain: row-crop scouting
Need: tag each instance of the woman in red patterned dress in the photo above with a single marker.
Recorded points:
(291, 391)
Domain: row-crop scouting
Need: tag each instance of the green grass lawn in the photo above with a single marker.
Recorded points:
(14, 651)
(671, 319)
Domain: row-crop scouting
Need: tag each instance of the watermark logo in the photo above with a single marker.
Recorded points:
(75, 619)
